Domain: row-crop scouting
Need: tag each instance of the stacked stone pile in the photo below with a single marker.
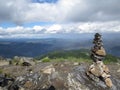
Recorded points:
(98, 68)
(98, 52)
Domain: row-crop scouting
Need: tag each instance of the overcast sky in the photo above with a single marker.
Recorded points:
(30, 17)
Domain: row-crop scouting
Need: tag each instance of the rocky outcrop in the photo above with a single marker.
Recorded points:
(22, 61)
(74, 84)
(61, 76)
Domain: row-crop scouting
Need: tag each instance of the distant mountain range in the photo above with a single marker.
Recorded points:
(36, 47)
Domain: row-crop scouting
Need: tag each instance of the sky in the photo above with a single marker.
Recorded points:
(36, 18)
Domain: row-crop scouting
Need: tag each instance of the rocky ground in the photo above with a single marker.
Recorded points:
(54, 76)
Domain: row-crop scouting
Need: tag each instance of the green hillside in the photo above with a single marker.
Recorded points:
(82, 55)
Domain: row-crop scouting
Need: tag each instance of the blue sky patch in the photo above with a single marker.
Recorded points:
(7, 24)
(31, 24)
(44, 1)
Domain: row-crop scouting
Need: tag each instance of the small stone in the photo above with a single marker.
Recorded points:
(54, 75)
(106, 69)
(118, 64)
(118, 70)
(21, 88)
(95, 69)
(76, 63)
(101, 52)
(108, 82)
(26, 64)
(48, 70)
(105, 75)
(28, 84)
(62, 65)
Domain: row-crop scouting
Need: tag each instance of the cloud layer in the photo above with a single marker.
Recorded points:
(43, 31)
(69, 16)
(21, 11)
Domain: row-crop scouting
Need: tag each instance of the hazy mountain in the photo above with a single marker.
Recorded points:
(37, 47)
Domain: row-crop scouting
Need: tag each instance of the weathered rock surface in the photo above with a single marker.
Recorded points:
(61, 76)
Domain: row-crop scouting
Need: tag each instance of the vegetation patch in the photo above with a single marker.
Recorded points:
(111, 59)
(73, 56)
(1, 71)
(45, 59)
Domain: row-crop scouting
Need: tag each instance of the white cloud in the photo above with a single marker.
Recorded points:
(21, 11)
(70, 16)
(38, 28)
(40, 31)
(54, 29)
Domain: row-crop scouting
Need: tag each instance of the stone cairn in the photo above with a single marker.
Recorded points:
(98, 70)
